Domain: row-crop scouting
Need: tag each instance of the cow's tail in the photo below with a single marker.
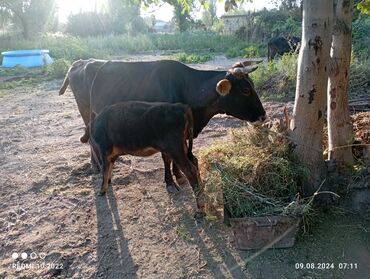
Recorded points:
(65, 84)
(268, 52)
(190, 130)
(85, 138)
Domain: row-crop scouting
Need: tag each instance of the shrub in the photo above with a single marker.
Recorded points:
(58, 68)
(246, 50)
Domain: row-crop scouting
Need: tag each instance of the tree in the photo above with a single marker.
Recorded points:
(31, 16)
(209, 15)
(181, 15)
(340, 131)
(310, 100)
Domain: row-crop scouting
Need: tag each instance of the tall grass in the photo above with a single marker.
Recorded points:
(72, 48)
(277, 79)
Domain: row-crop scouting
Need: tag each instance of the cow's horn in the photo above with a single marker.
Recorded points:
(251, 62)
(223, 87)
(237, 70)
(250, 69)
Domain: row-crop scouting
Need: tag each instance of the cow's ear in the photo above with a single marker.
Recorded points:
(223, 87)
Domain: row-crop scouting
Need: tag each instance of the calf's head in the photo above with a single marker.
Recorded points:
(238, 97)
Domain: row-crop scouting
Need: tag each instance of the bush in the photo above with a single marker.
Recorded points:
(247, 51)
(361, 37)
(58, 68)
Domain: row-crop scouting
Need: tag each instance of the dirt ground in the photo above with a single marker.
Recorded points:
(49, 209)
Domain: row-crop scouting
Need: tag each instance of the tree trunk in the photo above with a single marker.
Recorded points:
(339, 122)
(310, 99)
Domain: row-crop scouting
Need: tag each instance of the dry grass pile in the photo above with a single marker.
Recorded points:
(361, 130)
(361, 127)
(257, 174)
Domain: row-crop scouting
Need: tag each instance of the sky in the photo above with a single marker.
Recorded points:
(164, 12)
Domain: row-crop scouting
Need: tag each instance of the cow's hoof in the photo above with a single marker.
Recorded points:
(181, 180)
(199, 215)
(102, 193)
(172, 188)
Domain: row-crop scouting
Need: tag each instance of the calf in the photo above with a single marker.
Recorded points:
(142, 129)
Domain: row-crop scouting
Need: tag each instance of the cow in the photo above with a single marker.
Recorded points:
(98, 83)
(281, 45)
(142, 129)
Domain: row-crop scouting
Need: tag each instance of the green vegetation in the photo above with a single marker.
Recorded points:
(58, 68)
(276, 80)
(247, 50)
(191, 58)
(73, 48)
(257, 174)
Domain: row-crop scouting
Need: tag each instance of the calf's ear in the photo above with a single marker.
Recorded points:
(223, 87)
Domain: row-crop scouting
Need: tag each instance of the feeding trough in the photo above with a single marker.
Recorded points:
(264, 232)
(26, 58)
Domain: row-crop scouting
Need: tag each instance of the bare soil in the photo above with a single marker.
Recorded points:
(49, 205)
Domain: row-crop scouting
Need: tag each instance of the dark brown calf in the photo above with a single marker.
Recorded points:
(142, 129)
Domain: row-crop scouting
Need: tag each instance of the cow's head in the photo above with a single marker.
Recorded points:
(238, 97)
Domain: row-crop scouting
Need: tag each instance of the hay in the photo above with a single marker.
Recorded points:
(255, 174)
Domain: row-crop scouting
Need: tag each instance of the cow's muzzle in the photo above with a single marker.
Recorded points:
(260, 120)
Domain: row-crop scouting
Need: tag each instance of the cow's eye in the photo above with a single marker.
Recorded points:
(247, 93)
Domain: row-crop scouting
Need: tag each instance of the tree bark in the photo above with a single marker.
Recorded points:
(310, 98)
(340, 129)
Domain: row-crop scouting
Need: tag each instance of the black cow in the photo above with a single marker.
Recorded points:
(281, 45)
(207, 93)
(142, 129)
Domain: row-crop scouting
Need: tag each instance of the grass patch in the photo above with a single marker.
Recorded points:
(276, 80)
(247, 50)
(13, 78)
(191, 58)
(257, 174)
(104, 47)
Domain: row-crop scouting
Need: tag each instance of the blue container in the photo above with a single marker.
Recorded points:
(26, 58)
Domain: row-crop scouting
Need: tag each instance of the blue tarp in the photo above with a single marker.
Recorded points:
(26, 58)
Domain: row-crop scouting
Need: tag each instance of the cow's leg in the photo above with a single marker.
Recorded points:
(192, 174)
(170, 184)
(86, 118)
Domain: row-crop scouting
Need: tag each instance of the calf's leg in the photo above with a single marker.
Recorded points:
(180, 177)
(105, 173)
(170, 184)
(192, 174)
